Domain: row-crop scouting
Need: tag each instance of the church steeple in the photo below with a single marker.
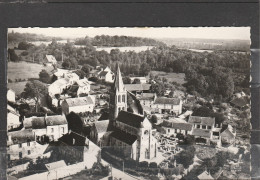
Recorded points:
(119, 85)
(118, 96)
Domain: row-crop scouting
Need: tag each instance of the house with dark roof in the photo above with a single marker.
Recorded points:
(240, 103)
(97, 132)
(74, 148)
(176, 126)
(204, 130)
(106, 75)
(22, 144)
(52, 127)
(78, 105)
(167, 105)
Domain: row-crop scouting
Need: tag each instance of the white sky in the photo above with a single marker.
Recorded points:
(165, 32)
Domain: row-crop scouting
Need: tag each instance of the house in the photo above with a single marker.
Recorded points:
(204, 130)
(146, 99)
(205, 176)
(73, 77)
(228, 135)
(143, 80)
(52, 127)
(78, 105)
(60, 73)
(10, 95)
(22, 144)
(59, 86)
(138, 88)
(97, 132)
(13, 118)
(83, 86)
(50, 60)
(176, 126)
(168, 105)
(106, 75)
(74, 147)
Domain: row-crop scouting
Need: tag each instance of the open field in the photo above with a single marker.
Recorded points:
(171, 77)
(23, 70)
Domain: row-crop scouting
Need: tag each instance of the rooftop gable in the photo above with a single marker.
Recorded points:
(164, 100)
(79, 101)
(208, 121)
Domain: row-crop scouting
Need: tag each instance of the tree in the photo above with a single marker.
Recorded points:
(12, 55)
(80, 73)
(85, 68)
(66, 64)
(158, 88)
(34, 90)
(24, 45)
(44, 76)
(127, 80)
(154, 119)
(136, 81)
(189, 140)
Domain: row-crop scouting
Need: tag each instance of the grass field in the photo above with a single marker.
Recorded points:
(171, 77)
(23, 70)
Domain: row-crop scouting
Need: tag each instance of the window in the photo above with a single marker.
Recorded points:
(204, 127)
(169, 130)
(209, 127)
(20, 155)
(119, 98)
(63, 129)
(123, 98)
(52, 130)
(29, 152)
(20, 145)
(28, 143)
(198, 126)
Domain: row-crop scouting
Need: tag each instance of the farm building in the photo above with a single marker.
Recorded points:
(167, 105)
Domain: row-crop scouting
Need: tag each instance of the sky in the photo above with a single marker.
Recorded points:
(242, 33)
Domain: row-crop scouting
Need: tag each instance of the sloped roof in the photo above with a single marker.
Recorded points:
(201, 132)
(163, 100)
(146, 96)
(205, 176)
(38, 123)
(124, 137)
(227, 133)
(103, 73)
(240, 102)
(60, 82)
(101, 126)
(74, 140)
(118, 84)
(208, 121)
(83, 82)
(55, 165)
(50, 58)
(56, 120)
(137, 87)
(130, 119)
(79, 101)
(22, 136)
(176, 125)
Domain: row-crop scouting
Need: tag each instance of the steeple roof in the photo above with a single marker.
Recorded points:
(119, 85)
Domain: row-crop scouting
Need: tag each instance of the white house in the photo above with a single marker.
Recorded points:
(97, 132)
(228, 135)
(83, 86)
(143, 80)
(13, 118)
(146, 99)
(60, 73)
(168, 105)
(78, 105)
(10, 95)
(106, 75)
(22, 144)
(50, 60)
(53, 127)
(175, 126)
(58, 86)
(73, 77)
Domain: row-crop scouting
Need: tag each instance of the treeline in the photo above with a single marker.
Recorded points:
(118, 41)
(208, 74)
(15, 37)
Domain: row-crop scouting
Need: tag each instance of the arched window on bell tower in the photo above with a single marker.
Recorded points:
(119, 98)
(123, 98)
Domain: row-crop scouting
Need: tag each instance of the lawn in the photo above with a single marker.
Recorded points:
(23, 70)
(171, 77)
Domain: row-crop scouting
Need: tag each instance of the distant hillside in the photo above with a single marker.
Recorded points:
(118, 41)
(208, 44)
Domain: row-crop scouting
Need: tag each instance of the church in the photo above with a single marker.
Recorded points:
(131, 132)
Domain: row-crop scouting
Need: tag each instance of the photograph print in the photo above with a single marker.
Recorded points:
(128, 103)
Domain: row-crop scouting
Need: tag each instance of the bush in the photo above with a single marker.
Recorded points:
(24, 53)
(143, 164)
(153, 165)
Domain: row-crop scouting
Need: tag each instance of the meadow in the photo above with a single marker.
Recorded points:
(171, 77)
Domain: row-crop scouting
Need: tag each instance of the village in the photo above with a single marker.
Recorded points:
(122, 108)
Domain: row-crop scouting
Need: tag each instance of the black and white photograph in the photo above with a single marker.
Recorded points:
(128, 103)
